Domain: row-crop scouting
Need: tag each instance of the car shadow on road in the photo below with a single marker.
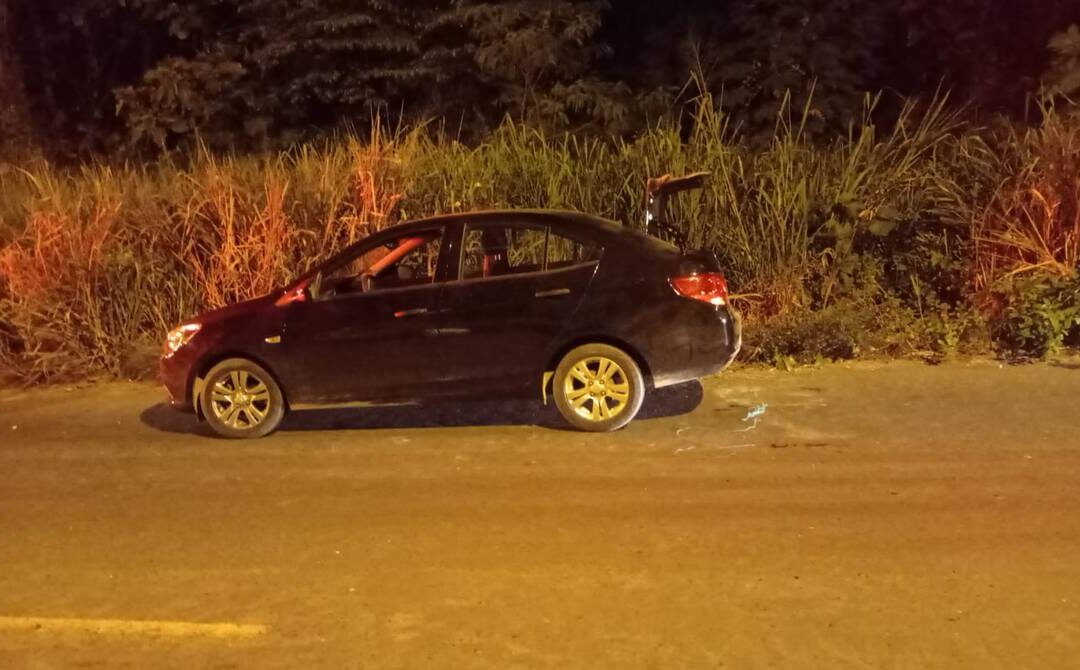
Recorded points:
(670, 401)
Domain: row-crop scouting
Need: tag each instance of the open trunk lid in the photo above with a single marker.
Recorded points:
(693, 273)
(658, 192)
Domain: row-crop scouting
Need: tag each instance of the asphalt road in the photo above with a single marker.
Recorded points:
(893, 515)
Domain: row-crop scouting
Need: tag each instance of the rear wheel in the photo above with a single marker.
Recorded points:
(241, 400)
(598, 388)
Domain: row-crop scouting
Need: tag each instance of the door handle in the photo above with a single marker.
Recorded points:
(555, 292)
(410, 312)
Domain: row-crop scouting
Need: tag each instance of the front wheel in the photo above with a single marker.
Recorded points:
(598, 388)
(241, 400)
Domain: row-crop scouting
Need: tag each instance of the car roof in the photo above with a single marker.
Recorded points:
(594, 226)
(545, 215)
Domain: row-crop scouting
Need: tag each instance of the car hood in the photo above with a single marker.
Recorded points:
(246, 308)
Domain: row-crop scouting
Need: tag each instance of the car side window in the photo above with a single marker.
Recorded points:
(410, 260)
(563, 252)
(499, 250)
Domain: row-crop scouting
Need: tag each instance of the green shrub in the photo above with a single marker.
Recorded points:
(1041, 313)
(804, 337)
(944, 331)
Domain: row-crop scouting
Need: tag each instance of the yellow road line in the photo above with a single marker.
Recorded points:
(127, 627)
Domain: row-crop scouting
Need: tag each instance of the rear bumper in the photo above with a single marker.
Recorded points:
(706, 343)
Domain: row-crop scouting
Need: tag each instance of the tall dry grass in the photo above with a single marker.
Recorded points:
(1019, 192)
(97, 263)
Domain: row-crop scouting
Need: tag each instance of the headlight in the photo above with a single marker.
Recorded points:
(180, 336)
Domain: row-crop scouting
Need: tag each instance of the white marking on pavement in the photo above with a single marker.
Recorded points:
(729, 446)
(129, 627)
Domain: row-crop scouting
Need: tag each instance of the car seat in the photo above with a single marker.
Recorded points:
(496, 253)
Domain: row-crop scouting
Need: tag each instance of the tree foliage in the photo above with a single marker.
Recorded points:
(256, 69)
(73, 54)
(820, 52)
(539, 55)
(989, 53)
(14, 114)
(284, 68)
(1063, 76)
(101, 75)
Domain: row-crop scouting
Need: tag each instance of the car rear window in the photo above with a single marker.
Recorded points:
(564, 252)
(495, 251)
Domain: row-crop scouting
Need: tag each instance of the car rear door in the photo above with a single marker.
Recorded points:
(514, 293)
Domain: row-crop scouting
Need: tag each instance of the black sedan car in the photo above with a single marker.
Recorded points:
(587, 312)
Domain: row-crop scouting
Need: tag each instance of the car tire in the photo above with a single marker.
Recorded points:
(598, 388)
(241, 400)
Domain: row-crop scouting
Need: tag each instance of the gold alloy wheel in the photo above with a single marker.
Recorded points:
(240, 400)
(597, 388)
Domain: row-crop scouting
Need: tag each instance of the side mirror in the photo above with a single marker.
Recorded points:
(299, 293)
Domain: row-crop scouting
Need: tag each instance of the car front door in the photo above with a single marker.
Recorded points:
(506, 307)
(370, 331)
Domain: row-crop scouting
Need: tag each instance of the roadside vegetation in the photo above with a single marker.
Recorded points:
(158, 158)
(932, 238)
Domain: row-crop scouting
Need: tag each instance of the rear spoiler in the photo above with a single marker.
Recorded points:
(657, 192)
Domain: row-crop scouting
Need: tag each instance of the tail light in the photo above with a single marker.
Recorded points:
(710, 287)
